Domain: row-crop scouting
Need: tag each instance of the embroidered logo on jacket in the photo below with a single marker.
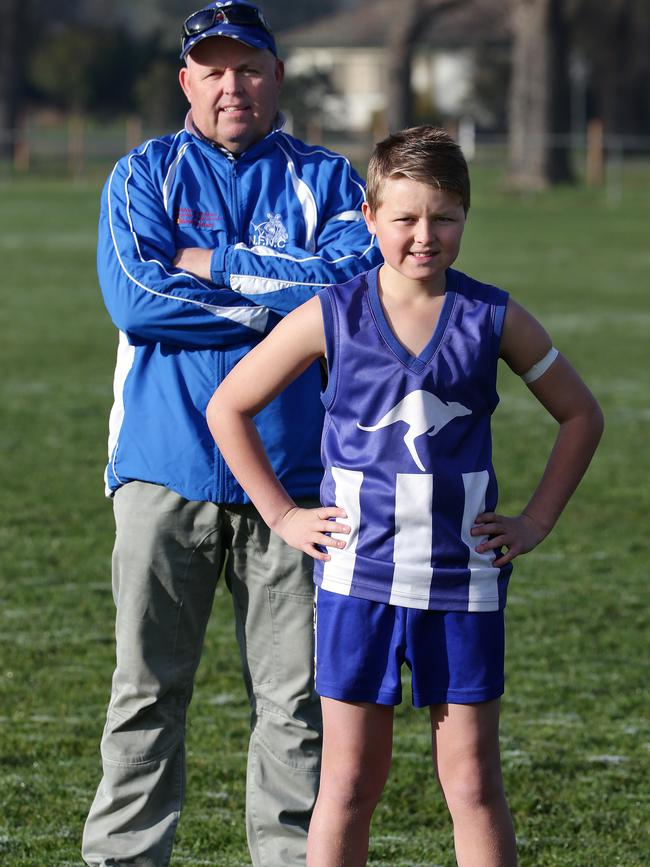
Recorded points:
(270, 233)
(198, 219)
(424, 413)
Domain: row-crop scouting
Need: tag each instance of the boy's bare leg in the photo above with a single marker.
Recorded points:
(357, 746)
(465, 741)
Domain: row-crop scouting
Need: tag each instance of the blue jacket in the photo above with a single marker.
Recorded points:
(284, 220)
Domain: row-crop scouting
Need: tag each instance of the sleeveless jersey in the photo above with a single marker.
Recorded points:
(407, 448)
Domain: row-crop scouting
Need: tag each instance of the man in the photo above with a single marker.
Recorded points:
(206, 238)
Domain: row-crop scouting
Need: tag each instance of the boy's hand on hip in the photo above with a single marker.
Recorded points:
(305, 529)
(518, 535)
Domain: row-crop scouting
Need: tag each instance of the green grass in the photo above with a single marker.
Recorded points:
(575, 741)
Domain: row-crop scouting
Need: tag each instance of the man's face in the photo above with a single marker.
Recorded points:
(233, 90)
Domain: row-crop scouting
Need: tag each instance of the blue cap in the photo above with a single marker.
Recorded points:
(236, 19)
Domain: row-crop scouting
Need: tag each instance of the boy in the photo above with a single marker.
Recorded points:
(408, 545)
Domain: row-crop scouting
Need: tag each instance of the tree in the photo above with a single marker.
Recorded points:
(159, 100)
(306, 98)
(92, 70)
(539, 122)
(612, 39)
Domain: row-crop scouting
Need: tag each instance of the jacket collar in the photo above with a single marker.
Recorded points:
(192, 129)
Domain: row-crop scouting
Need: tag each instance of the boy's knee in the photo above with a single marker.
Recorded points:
(471, 785)
(353, 792)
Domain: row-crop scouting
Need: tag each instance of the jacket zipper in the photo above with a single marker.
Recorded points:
(222, 471)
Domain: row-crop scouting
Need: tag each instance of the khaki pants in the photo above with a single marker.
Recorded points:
(169, 553)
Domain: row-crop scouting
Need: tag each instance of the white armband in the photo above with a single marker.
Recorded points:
(541, 367)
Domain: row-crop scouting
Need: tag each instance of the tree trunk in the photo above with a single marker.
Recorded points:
(410, 17)
(401, 40)
(540, 118)
(615, 61)
(558, 156)
(614, 38)
(11, 72)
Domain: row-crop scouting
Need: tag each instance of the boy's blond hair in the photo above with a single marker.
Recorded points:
(427, 154)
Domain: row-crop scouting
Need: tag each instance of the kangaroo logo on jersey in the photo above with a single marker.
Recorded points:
(424, 413)
(270, 233)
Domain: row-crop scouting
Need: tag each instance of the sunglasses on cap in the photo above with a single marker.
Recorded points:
(205, 19)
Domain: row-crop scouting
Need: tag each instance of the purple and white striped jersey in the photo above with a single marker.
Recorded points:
(407, 448)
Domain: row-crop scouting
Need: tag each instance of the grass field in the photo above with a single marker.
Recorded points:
(576, 739)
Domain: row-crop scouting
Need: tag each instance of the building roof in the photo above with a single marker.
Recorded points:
(470, 22)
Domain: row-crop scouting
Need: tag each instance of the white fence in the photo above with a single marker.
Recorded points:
(80, 150)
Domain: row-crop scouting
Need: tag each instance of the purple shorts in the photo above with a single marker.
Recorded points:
(455, 657)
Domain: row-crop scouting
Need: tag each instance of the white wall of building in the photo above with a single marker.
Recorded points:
(360, 78)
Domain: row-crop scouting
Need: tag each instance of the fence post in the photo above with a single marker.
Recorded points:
(21, 145)
(76, 145)
(467, 136)
(595, 156)
(614, 170)
(315, 129)
(133, 132)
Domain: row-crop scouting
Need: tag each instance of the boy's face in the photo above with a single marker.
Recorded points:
(418, 229)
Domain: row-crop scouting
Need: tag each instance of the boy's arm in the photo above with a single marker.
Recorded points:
(260, 376)
(565, 396)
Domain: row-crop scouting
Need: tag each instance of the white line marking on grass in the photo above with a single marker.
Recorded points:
(218, 796)
(232, 755)
(550, 556)
(516, 757)
(192, 859)
(627, 399)
(628, 413)
(375, 863)
(65, 832)
(607, 759)
(55, 241)
(408, 756)
(223, 698)
(559, 719)
(73, 668)
(17, 614)
(412, 737)
(82, 792)
(592, 320)
(214, 814)
(40, 581)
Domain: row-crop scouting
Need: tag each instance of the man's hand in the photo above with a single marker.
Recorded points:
(196, 260)
(305, 529)
(518, 535)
